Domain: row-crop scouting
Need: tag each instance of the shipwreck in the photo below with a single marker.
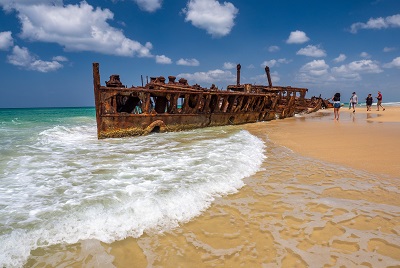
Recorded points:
(163, 106)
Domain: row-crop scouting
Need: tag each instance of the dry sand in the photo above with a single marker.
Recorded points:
(363, 140)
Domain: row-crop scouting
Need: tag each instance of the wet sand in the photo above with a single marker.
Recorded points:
(327, 195)
(363, 140)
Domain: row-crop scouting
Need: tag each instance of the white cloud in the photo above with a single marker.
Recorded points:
(297, 37)
(395, 63)
(210, 77)
(365, 55)
(9, 5)
(353, 70)
(274, 77)
(284, 61)
(343, 72)
(340, 58)
(162, 59)
(188, 62)
(364, 66)
(217, 19)
(377, 23)
(389, 49)
(263, 80)
(149, 5)
(6, 40)
(269, 63)
(273, 62)
(316, 71)
(315, 68)
(273, 49)
(312, 51)
(77, 28)
(60, 58)
(13, 3)
(22, 58)
(229, 65)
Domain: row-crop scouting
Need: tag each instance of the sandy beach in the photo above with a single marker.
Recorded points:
(277, 221)
(327, 195)
(362, 140)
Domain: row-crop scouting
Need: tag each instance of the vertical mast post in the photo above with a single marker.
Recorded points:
(268, 76)
(97, 101)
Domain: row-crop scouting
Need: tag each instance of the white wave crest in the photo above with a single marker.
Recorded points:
(82, 188)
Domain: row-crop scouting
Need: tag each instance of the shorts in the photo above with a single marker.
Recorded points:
(336, 105)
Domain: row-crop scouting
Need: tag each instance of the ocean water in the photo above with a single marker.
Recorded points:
(363, 104)
(210, 197)
(59, 184)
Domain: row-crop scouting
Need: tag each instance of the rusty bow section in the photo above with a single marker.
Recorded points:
(172, 105)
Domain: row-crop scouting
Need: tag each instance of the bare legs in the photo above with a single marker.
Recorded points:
(336, 113)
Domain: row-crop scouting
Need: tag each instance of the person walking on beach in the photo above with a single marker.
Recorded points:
(369, 101)
(336, 105)
(379, 103)
(354, 101)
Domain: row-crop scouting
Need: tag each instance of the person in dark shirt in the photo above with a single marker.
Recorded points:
(369, 101)
(336, 105)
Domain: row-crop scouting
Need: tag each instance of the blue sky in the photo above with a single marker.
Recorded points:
(47, 46)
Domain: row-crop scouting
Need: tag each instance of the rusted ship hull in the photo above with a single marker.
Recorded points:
(113, 126)
(162, 106)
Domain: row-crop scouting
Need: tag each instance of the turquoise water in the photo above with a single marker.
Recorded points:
(60, 185)
(363, 104)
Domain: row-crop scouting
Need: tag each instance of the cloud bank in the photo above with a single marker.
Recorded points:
(318, 71)
(77, 28)
(377, 23)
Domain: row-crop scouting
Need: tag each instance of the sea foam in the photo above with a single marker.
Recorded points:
(62, 185)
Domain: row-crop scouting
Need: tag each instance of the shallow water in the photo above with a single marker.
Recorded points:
(300, 213)
(60, 185)
(166, 194)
